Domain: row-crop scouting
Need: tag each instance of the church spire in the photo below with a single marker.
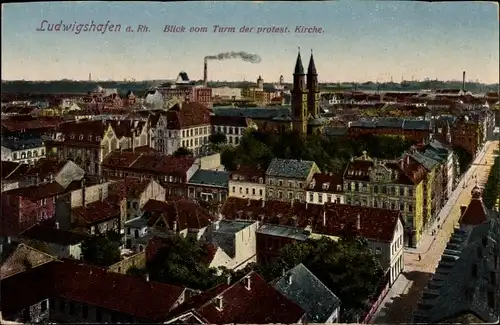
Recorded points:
(299, 68)
(311, 70)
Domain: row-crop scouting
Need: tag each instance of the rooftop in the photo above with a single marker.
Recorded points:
(290, 168)
(210, 178)
(233, 226)
(284, 231)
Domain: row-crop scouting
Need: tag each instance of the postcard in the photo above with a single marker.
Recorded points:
(252, 162)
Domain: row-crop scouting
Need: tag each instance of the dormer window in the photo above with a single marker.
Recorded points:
(261, 180)
(80, 137)
(219, 303)
(326, 186)
(235, 177)
(98, 138)
(313, 183)
(72, 136)
(339, 188)
(90, 138)
(247, 283)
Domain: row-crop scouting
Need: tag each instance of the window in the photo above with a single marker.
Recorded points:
(260, 192)
(246, 191)
(493, 278)
(280, 183)
(378, 251)
(98, 315)
(280, 194)
(320, 198)
(290, 195)
(253, 191)
(15, 155)
(491, 299)
(410, 208)
(85, 311)
(401, 191)
(43, 306)
(311, 197)
(234, 189)
(241, 190)
(270, 193)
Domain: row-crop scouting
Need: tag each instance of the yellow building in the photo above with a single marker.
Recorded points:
(395, 185)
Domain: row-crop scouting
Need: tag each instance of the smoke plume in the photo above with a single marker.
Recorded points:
(247, 57)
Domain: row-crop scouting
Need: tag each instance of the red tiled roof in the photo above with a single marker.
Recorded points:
(326, 183)
(358, 170)
(37, 192)
(188, 115)
(97, 212)
(186, 214)
(275, 212)
(12, 124)
(129, 187)
(129, 295)
(375, 223)
(261, 304)
(248, 174)
(476, 212)
(156, 163)
(45, 167)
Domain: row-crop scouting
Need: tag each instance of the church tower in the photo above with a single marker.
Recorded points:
(315, 122)
(312, 89)
(299, 97)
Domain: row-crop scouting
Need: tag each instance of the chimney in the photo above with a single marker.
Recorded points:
(57, 225)
(228, 279)
(147, 277)
(462, 209)
(84, 203)
(205, 72)
(358, 222)
(463, 81)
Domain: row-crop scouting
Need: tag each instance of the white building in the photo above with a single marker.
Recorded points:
(233, 127)
(25, 151)
(237, 240)
(247, 184)
(325, 188)
(226, 93)
(188, 126)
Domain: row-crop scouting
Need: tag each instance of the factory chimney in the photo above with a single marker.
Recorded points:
(463, 81)
(205, 72)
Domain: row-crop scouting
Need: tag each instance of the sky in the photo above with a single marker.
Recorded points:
(361, 40)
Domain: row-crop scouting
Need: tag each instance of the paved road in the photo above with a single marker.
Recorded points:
(401, 301)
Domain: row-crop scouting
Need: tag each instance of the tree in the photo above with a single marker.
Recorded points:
(465, 158)
(182, 152)
(217, 138)
(183, 261)
(491, 192)
(346, 267)
(101, 250)
(133, 270)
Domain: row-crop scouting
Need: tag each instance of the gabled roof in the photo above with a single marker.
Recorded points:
(302, 287)
(289, 168)
(476, 212)
(258, 304)
(53, 235)
(125, 294)
(37, 192)
(374, 223)
(22, 259)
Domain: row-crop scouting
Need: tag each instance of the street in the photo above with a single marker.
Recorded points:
(401, 301)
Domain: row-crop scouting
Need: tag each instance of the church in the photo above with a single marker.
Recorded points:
(305, 110)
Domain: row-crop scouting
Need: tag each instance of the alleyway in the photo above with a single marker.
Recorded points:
(401, 301)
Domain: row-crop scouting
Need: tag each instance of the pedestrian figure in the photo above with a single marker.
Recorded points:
(419, 257)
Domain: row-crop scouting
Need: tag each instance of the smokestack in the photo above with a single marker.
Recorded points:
(205, 72)
(463, 81)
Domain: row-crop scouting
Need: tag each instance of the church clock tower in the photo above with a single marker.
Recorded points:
(299, 97)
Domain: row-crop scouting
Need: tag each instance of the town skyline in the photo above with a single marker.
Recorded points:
(361, 41)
